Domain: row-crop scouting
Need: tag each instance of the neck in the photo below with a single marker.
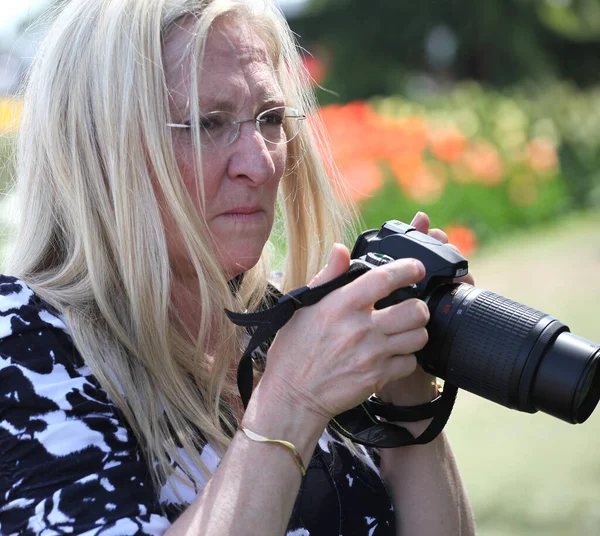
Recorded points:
(187, 305)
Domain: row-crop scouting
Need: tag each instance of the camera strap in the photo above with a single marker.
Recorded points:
(360, 423)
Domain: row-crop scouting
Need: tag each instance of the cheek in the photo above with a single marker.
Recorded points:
(212, 170)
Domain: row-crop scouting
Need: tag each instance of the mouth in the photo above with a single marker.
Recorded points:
(243, 211)
(249, 215)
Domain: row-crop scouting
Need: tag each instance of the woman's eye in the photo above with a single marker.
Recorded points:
(212, 122)
(272, 118)
(206, 123)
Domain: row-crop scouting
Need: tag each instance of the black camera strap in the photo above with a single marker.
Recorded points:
(360, 423)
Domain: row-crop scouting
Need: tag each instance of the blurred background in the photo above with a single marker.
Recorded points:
(485, 115)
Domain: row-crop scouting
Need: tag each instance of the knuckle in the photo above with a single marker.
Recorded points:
(411, 363)
(420, 312)
(382, 278)
(422, 337)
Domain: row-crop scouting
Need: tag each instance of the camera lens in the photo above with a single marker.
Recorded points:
(510, 354)
(590, 392)
(567, 384)
(590, 383)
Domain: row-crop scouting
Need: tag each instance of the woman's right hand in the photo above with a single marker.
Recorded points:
(333, 355)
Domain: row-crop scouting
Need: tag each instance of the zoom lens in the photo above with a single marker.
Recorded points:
(567, 384)
(510, 354)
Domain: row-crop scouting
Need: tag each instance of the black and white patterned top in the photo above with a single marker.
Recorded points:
(69, 464)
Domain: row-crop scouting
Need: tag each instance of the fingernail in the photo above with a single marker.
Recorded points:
(420, 267)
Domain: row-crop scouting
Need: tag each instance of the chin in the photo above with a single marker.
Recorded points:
(239, 264)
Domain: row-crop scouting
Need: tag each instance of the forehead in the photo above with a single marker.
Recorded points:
(236, 59)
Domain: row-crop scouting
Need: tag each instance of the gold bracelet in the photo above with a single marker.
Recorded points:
(262, 439)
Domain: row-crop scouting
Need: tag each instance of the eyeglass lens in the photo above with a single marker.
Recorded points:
(277, 125)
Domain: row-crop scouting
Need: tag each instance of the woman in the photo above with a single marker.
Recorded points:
(157, 138)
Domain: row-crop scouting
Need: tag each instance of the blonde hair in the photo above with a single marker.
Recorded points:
(93, 244)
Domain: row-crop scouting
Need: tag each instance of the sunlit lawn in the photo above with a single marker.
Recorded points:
(532, 474)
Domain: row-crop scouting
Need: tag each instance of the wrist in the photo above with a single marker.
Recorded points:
(418, 388)
(272, 416)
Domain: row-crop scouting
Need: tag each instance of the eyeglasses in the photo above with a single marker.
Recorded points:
(218, 129)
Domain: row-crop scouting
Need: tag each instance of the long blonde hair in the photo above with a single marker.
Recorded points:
(92, 242)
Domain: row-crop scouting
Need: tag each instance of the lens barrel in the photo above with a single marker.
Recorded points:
(510, 354)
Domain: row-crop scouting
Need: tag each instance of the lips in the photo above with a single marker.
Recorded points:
(244, 210)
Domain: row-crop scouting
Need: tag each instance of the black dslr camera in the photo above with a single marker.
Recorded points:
(485, 343)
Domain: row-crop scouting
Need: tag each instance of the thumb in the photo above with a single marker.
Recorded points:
(337, 264)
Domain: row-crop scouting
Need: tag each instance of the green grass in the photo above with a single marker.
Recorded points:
(528, 474)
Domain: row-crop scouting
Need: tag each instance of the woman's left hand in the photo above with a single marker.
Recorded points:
(419, 387)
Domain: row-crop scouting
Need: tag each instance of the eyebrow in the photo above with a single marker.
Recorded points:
(229, 106)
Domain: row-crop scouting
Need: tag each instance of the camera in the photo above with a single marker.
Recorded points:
(496, 348)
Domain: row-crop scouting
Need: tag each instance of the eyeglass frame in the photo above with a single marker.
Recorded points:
(256, 119)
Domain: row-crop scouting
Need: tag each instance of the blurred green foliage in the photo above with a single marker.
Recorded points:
(7, 167)
(6, 161)
(376, 47)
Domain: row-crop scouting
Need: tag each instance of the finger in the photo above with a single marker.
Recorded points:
(380, 282)
(337, 264)
(468, 279)
(409, 314)
(421, 222)
(401, 366)
(438, 234)
(407, 342)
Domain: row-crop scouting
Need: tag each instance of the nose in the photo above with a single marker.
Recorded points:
(250, 157)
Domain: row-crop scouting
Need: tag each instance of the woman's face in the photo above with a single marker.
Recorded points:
(240, 179)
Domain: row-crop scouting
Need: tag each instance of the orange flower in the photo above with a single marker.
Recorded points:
(484, 162)
(360, 178)
(541, 155)
(360, 138)
(350, 130)
(463, 238)
(447, 144)
(406, 168)
(398, 138)
(420, 181)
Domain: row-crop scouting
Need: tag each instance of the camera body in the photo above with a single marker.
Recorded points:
(485, 343)
(396, 240)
